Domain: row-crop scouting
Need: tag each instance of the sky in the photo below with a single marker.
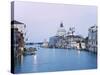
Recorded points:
(43, 19)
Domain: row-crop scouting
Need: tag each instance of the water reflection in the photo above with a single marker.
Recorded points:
(78, 51)
(53, 52)
(19, 60)
(35, 59)
(35, 62)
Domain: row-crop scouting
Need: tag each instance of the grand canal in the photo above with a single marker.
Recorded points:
(47, 60)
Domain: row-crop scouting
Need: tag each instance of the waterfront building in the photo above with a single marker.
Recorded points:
(21, 26)
(61, 43)
(75, 41)
(92, 39)
(71, 31)
(61, 40)
(45, 43)
(53, 41)
(70, 41)
(17, 37)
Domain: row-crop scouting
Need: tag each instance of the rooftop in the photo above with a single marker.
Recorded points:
(16, 22)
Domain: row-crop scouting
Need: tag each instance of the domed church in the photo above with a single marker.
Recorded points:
(61, 31)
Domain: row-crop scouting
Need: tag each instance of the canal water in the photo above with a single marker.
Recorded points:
(47, 60)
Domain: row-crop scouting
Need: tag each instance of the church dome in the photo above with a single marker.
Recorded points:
(61, 31)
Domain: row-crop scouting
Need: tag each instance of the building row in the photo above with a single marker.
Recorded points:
(69, 40)
(17, 38)
(92, 39)
(63, 40)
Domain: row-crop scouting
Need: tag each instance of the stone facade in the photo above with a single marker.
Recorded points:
(63, 40)
(17, 37)
(71, 41)
(92, 39)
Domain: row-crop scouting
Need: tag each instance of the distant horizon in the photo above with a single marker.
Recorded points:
(43, 19)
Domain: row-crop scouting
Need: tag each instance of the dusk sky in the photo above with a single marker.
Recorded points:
(43, 19)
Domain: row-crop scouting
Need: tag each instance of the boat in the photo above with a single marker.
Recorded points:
(30, 51)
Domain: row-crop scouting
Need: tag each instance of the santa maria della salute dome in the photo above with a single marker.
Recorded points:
(61, 31)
